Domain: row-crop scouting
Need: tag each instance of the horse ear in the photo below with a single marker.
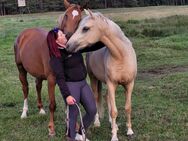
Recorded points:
(66, 3)
(89, 13)
(85, 6)
(86, 12)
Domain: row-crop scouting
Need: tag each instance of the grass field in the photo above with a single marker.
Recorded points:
(160, 96)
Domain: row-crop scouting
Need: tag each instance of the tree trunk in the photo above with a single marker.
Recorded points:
(41, 4)
(3, 12)
(105, 4)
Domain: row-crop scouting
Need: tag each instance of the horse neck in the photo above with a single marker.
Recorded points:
(116, 42)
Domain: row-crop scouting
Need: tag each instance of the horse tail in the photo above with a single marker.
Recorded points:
(16, 50)
(100, 102)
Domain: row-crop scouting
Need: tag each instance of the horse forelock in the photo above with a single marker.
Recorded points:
(96, 16)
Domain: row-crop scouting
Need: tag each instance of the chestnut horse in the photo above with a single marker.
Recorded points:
(114, 65)
(32, 56)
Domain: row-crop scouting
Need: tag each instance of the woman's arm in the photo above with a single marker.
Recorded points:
(57, 67)
(93, 47)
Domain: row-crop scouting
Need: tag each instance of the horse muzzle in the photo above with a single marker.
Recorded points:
(72, 47)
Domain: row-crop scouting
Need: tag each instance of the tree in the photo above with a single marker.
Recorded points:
(131, 3)
(11, 6)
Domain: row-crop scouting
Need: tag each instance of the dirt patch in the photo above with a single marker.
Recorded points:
(157, 72)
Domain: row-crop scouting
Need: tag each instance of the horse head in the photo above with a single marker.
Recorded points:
(72, 17)
(90, 31)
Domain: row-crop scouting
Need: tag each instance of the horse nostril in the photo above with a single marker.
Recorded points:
(68, 35)
(67, 46)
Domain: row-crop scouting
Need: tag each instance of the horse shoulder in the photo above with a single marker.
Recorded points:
(121, 71)
(95, 63)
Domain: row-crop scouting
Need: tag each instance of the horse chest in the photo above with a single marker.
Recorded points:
(119, 72)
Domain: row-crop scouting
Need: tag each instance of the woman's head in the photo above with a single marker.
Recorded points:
(55, 39)
(61, 39)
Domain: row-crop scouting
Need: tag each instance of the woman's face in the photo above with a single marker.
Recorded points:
(61, 39)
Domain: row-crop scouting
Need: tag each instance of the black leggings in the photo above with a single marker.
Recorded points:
(83, 94)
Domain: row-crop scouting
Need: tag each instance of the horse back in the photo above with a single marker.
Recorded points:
(31, 51)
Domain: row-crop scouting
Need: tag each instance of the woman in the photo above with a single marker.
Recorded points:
(70, 72)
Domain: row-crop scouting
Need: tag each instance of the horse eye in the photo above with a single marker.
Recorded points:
(85, 29)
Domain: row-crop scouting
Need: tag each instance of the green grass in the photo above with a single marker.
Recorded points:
(160, 96)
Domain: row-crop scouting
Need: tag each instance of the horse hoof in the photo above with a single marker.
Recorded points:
(97, 124)
(130, 132)
(42, 112)
(24, 115)
(114, 138)
(129, 137)
(51, 134)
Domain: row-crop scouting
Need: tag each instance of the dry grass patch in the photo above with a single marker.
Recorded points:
(145, 12)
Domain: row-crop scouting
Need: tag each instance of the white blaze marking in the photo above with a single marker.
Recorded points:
(74, 13)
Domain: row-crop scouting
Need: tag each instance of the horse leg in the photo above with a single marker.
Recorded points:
(109, 110)
(25, 88)
(94, 86)
(111, 92)
(129, 88)
(109, 107)
(52, 105)
(38, 82)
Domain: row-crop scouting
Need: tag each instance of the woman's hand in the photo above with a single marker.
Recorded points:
(70, 100)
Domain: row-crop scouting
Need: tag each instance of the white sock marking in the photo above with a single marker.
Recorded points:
(25, 109)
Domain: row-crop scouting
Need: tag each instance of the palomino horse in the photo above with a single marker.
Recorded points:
(32, 56)
(114, 65)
